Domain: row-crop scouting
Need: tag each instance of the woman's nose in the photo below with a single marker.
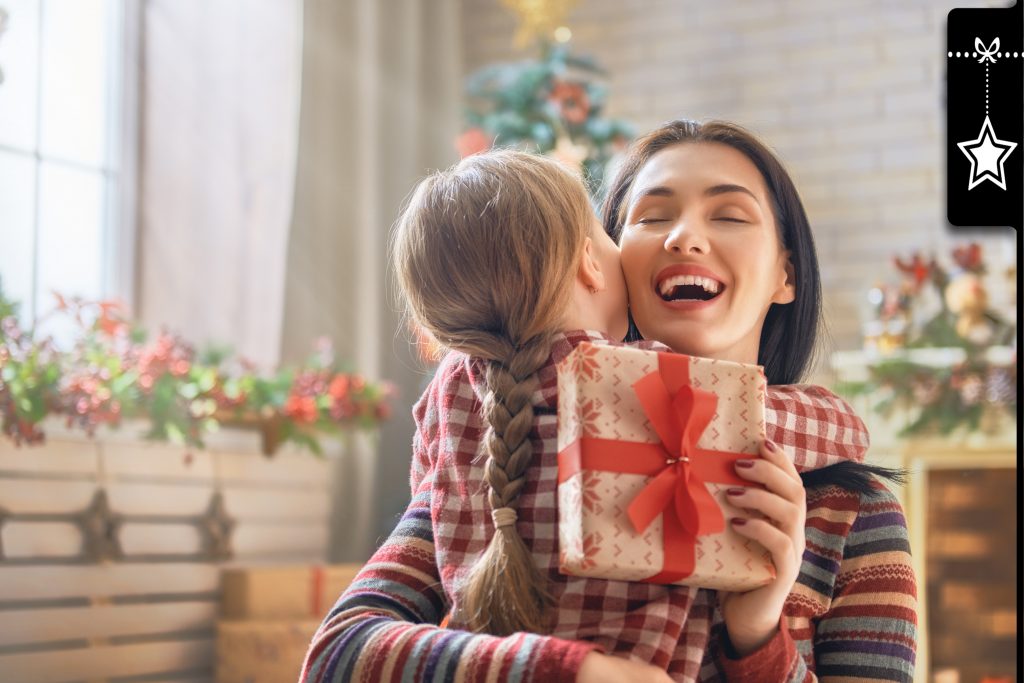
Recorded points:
(686, 237)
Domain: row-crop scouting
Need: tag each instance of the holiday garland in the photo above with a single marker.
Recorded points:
(948, 396)
(115, 372)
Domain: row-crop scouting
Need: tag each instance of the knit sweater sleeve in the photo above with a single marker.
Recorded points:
(384, 627)
(869, 631)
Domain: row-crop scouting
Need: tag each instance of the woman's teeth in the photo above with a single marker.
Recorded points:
(688, 287)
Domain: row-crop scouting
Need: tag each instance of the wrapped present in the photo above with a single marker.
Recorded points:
(260, 651)
(283, 592)
(647, 445)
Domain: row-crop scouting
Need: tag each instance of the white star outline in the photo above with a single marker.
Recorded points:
(987, 155)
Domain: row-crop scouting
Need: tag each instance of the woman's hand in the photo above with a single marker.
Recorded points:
(600, 668)
(752, 618)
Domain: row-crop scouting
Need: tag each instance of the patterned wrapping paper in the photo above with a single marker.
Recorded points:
(597, 400)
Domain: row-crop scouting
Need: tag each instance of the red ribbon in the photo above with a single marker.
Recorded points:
(680, 469)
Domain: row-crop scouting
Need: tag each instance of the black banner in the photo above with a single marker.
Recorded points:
(985, 117)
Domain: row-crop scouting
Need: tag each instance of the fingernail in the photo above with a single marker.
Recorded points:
(771, 446)
(735, 492)
(737, 521)
(744, 463)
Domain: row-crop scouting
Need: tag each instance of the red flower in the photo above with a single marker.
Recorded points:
(339, 387)
(472, 142)
(301, 408)
(573, 100)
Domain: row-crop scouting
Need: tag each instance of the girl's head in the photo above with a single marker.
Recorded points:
(716, 247)
(494, 256)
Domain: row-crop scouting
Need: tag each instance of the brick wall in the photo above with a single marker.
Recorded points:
(850, 95)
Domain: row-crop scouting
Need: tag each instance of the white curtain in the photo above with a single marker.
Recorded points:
(279, 139)
(380, 107)
(220, 111)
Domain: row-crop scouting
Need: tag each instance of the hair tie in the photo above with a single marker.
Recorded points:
(504, 517)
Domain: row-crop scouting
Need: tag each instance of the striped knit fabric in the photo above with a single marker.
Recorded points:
(852, 615)
(382, 627)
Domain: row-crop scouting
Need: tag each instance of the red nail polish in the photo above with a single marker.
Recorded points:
(744, 463)
(737, 521)
(736, 491)
(771, 446)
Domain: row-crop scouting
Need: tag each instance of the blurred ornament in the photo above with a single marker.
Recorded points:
(472, 141)
(968, 258)
(916, 268)
(572, 101)
(972, 388)
(967, 299)
(542, 19)
(569, 155)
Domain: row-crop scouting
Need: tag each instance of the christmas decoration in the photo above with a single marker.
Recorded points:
(114, 372)
(974, 380)
(539, 18)
(551, 105)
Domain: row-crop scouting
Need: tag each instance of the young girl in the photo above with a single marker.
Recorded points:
(711, 202)
(502, 259)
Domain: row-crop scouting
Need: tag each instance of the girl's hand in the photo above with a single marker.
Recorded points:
(600, 668)
(752, 618)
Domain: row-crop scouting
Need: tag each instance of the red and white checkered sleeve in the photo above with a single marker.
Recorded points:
(815, 425)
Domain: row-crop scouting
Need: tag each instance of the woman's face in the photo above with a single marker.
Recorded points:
(701, 252)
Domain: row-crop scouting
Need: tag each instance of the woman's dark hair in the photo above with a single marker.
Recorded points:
(790, 331)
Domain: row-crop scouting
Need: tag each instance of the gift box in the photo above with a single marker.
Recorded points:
(647, 447)
(283, 592)
(260, 651)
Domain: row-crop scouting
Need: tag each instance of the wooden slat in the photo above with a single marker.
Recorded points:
(156, 461)
(295, 468)
(279, 539)
(136, 498)
(45, 495)
(88, 663)
(41, 539)
(160, 539)
(20, 627)
(55, 457)
(269, 505)
(41, 583)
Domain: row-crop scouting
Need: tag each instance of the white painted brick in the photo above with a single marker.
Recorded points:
(923, 155)
(887, 22)
(828, 111)
(715, 15)
(924, 99)
(847, 53)
(882, 78)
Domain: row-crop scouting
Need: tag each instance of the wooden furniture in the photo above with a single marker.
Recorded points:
(112, 548)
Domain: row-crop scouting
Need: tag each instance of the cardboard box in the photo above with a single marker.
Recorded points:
(283, 592)
(262, 651)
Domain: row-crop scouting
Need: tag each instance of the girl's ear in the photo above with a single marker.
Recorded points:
(786, 292)
(589, 273)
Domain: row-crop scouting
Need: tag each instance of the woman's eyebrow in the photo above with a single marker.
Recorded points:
(716, 190)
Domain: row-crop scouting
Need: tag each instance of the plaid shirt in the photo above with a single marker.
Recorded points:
(645, 621)
(648, 622)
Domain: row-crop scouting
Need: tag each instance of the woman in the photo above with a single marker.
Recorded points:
(719, 262)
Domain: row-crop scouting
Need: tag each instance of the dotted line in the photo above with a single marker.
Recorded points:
(974, 55)
(986, 88)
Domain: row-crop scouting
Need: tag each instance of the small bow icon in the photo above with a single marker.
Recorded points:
(988, 53)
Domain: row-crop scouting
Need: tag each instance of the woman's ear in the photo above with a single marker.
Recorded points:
(589, 273)
(786, 291)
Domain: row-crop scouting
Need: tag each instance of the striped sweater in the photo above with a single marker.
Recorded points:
(383, 628)
(852, 614)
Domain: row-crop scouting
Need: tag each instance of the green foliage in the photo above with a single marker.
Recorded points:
(113, 372)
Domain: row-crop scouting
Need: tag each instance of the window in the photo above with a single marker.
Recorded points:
(66, 151)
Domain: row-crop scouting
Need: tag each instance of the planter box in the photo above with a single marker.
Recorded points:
(112, 547)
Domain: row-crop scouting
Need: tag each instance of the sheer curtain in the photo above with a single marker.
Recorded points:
(219, 130)
(380, 108)
(279, 138)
